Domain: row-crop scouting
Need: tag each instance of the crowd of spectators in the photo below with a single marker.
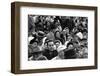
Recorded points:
(57, 37)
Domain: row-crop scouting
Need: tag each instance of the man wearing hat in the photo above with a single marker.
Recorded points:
(36, 53)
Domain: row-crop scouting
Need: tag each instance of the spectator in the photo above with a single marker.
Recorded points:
(32, 46)
(49, 33)
(37, 55)
(70, 51)
(64, 34)
(50, 52)
(57, 43)
(82, 53)
(60, 53)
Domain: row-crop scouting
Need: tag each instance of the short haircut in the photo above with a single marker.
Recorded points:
(57, 41)
(84, 39)
(33, 40)
(70, 43)
(75, 42)
(49, 41)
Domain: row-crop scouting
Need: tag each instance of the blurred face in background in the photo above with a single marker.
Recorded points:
(57, 23)
(48, 23)
(35, 44)
(64, 31)
(36, 55)
(83, 52)
(69, 38)
(67, 30)
(84, 42)
(76, 44)
(85, 35)
(45, 45)
(57, 44)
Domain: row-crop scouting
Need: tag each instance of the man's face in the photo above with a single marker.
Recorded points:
(51, 46)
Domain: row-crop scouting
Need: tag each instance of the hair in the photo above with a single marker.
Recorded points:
(70, 43)
(85, 30)
(33, 40)
(75, 42)
(81, 45)
(49, 41)
(45, 42)
(66, 28)
(57, 41)
(84, 39)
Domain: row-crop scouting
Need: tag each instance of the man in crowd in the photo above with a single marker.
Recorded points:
(51, 52)
(32, 46)
(70, 52)
(34, 50)
(37, 55)
(60, 53)
(71, 32)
